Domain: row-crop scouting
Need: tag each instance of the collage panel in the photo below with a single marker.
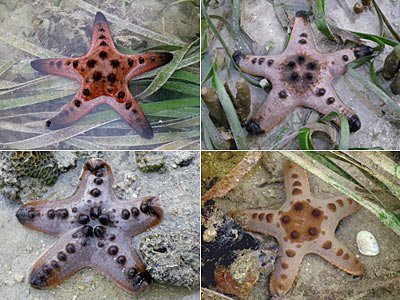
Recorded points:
(94, 75)
(199, 149)
(99, 225)
(300, 75)
(300, 225)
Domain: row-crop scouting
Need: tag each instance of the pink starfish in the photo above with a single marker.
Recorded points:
(300, 77)
(302, 225)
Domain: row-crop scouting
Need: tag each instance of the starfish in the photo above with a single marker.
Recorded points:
(300, 77)
(94, 229)
(302, 225)
(104, 74)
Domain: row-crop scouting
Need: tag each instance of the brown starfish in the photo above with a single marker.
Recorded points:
(302, 225)
(300, 77)
(95, 229)
(104, 74)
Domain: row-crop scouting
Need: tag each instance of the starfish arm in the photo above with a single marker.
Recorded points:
(286, 269)
(101, 34)
(273, 110)
(339, 208)
(96, 181)
(52, 217)
(260, 221)
(56, 217)
(297, 186)
(338, 255)
(123, 265)
(330, 102)
(142, 63)
(301, 35)
(97, 168)
(58, 67)
(337, 61)
(133, 115)
(61, 261)
(259, 65)
(141, 215)
(71, 113)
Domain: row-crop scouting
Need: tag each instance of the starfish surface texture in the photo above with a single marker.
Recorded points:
(104, 74)
(302, 225)
(300, 77)
(94, 229)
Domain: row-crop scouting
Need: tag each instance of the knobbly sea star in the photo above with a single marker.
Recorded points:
(302, 225)
(300, 77)
(104, 74)
(95, 229)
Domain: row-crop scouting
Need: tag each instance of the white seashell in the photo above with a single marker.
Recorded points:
(209, 235)
(367, 243)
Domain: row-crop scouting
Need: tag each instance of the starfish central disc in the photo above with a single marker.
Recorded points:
(300, 73)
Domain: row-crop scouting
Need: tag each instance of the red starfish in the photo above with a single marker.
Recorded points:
(104, 74)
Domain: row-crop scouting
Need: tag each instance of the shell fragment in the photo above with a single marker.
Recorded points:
(367, 243)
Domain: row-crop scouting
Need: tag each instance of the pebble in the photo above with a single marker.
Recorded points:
(149, 162)
(19, 278)
(209, 235)
(367, 244)
(183, 159)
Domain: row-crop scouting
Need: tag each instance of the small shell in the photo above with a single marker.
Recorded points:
(366, 2)
(209, 235)
(358, 8)
(367, 243)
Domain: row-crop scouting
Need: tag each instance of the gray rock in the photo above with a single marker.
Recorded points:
(183, 159)
(28, 173)
(149, 162)
(173, 258)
